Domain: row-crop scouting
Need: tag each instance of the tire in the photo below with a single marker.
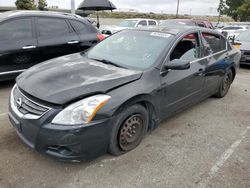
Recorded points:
(225, 84)
(129, 129)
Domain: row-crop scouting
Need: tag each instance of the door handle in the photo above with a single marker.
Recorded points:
(73, 42)
(200, 72)
(28, 47)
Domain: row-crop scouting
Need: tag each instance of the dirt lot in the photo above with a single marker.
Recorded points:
(205, 146)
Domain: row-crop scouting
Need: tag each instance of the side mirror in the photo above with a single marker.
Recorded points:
(139, 25)
(177, 64)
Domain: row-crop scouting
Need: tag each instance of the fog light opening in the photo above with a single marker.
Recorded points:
(61, 150)
(65, 151)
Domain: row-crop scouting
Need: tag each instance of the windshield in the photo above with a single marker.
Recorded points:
(131, 49)
(244, 36)
(128, 23)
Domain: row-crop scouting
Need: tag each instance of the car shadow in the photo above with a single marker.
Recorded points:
(245, 67)
(7, 84)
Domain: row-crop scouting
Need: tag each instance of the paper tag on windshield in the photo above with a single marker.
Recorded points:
(157, 34)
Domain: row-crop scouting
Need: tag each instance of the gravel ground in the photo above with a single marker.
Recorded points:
(207, 145)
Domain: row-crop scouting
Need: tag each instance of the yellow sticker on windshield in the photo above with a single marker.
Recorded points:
(158, 34)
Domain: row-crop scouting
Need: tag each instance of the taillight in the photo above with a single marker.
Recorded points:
(101, 37)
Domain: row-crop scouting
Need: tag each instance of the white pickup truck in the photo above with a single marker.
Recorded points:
(126, 24)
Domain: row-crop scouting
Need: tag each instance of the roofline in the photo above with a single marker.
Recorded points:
(177, 30)
(17, 13)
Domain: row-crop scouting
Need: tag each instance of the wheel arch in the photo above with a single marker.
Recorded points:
(146, 102)
(234, 72)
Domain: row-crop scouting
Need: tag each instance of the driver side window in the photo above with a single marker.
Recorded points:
(187, 49)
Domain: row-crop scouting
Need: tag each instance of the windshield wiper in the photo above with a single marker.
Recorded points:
(105, 61)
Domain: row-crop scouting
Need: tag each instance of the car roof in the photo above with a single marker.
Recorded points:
(187, 20)
(176, 30)
(18, 13)
(140, 19)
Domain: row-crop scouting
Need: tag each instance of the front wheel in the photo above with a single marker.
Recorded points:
(129, 129)
(225, 84)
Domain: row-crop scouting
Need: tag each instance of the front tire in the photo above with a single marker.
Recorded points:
(225, 84)
(129, 129)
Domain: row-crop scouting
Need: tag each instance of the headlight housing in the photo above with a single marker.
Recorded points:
(82, 111)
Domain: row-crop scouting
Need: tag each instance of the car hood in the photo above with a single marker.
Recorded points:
(68, 78)
(244, 45)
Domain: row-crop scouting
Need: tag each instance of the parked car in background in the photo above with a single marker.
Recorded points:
(30, 37)
(242, 41)
(217, 25)
(105, 100)
(232, 31)
(127, 24)
(189, 22)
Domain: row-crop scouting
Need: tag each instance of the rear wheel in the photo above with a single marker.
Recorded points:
(225, 84)
(129, 129)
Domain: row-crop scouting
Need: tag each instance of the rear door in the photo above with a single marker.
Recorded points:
(55, 37)
(217, 60)
(86, 32)
(17, 45)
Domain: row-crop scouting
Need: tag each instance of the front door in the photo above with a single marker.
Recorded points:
(183, 87)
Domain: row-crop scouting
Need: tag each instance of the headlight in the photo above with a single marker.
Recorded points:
(82, 111)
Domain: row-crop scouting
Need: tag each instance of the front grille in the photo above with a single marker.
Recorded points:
(26, 105)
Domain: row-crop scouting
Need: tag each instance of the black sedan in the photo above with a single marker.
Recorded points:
(30, 37)
(105, 100)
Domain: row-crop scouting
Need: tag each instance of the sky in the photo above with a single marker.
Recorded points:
(193, 7)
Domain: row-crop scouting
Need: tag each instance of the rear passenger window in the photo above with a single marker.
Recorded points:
(16, 29)
(79, 27)
(151, 22)
(213, 43)
(52, 27)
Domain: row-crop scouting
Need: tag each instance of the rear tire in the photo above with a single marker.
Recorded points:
(225, 84)
(129, 129)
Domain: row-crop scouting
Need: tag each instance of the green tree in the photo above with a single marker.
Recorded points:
(237, 9)
(244, 11)
(25, 4)
(42, 5)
